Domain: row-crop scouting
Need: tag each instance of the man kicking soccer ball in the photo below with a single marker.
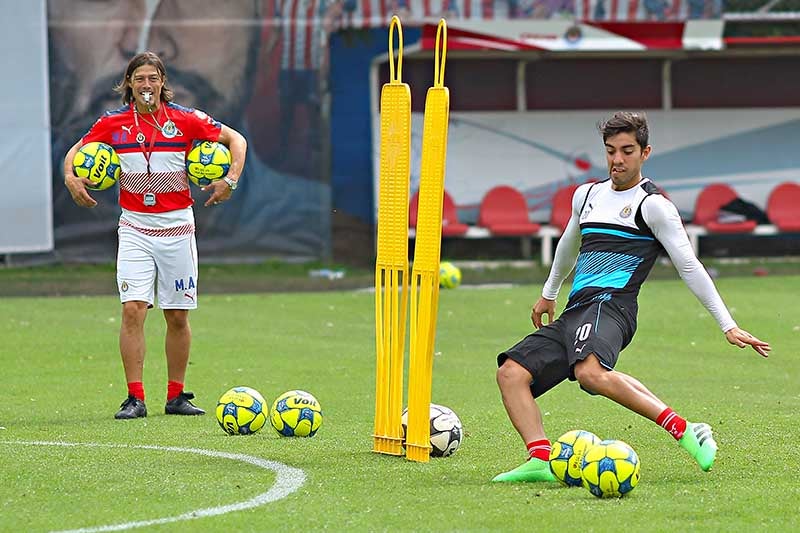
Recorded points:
(617, 228)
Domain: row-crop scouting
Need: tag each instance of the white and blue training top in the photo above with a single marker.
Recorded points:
(612, 240)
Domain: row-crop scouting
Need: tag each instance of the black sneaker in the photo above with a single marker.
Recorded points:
(132, 407)
(182, 406)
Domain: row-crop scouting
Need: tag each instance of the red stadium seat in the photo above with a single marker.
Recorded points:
(782, 207)
(707, 207)
(413, 207)
(504, 212)
(451, 227)
(561, 210)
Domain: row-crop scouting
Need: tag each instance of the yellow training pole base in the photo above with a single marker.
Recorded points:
(390, 313)
(387, 445)
(420, 454)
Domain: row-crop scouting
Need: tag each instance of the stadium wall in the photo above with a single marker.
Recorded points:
(25, 212)
(527, 118)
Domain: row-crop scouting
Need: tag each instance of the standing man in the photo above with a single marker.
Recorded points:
(617, 228)
(157, 252)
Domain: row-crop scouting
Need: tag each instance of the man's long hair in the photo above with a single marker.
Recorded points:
(145, 58)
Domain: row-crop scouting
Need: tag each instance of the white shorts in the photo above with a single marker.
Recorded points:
(171, 262)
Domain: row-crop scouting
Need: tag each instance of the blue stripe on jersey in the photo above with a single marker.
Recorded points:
(602, 297)
(118, 111)
(617, 233)
(191, 110)
(161, 144)
(171, 145)
(179, 107)
(603, 269)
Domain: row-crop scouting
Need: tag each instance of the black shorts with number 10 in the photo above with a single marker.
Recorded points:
(551, 352)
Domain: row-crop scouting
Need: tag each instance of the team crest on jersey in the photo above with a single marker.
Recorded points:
(626, 211)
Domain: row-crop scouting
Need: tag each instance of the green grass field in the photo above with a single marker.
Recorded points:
(62, 382)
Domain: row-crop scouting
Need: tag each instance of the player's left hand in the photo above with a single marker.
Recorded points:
(741, 338)
(219, 192)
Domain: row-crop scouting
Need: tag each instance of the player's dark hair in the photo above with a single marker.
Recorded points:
(144, 58)
(626, 122)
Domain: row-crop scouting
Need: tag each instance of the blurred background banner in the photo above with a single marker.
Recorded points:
(26, 223)
(371, 13)
(299, 78)
(251, 64)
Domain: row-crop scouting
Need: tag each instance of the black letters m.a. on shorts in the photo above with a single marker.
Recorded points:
(551, 352)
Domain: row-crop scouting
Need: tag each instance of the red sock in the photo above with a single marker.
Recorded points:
(669, 420)
(174, 388)
(136, 389)
(540, 449)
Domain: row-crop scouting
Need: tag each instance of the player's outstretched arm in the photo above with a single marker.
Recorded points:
(563, 260)
(741, 338)
(663, 219)
(543, 307)
(76, 185)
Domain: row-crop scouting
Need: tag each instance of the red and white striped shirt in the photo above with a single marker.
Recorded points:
(167, 174)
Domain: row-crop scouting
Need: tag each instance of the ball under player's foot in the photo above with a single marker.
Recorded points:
(699, 442)
(529, 471)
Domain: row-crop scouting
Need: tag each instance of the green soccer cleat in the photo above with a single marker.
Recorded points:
(699, 442)
(529, 471)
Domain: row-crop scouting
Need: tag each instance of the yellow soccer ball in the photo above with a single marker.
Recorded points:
(449, 275)
(296, 414)
(99, 162)
(566, 455)
(610, 469)
(207, 162)
(241, 411)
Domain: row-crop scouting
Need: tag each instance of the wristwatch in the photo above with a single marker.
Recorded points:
(231, 183)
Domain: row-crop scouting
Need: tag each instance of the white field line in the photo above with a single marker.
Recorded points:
(287, 480)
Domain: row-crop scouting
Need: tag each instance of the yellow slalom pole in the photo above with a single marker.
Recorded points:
(391, 265)
(427, 251)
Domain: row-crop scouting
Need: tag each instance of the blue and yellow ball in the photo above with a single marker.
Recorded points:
(206, 162)
(99, 163)
(296, 413)
(610, 469)
(449, 275)
(566, 455)
(241, 411)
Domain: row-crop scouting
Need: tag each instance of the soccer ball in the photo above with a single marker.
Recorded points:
(296, 414)
(449, 275)
(207, 162)
(99, 162)
(446, 430)
(566, 455)
(610, 469)
(242, 411)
